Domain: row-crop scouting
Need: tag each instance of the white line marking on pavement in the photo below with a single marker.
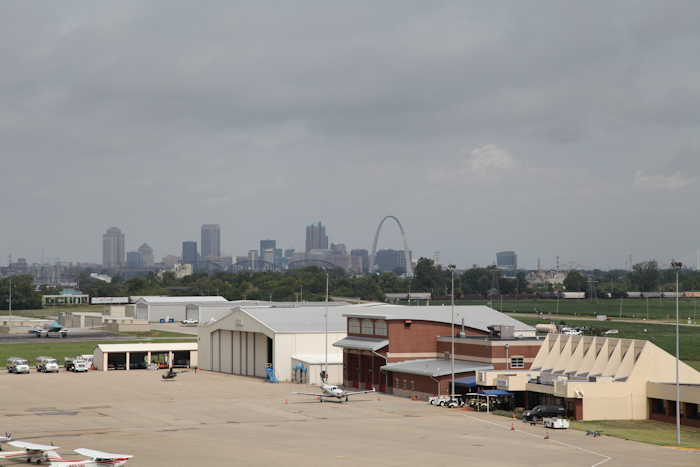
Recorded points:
(607, 458)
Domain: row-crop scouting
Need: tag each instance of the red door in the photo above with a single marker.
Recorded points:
(355, 370)
(368, 371)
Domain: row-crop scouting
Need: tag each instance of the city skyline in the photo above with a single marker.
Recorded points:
(567, 129)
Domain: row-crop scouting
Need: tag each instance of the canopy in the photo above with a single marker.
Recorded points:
(492, 392)
(469, 382)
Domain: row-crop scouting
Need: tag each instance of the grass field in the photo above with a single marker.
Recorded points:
(637, 308)
(59, 349)
(645, 431)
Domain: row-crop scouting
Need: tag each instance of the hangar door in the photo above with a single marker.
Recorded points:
(240, 352)
(192, 313)
(142, 313)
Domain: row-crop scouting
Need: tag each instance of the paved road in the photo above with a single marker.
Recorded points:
(79, 336)
(209, 418)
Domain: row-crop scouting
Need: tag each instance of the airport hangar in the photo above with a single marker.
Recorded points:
(406, 350)
(137, 356)
(286, 335)
(202, 309)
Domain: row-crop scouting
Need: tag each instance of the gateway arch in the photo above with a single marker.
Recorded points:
(409, 269)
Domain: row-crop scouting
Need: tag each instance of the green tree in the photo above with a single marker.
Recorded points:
(169, 279)
(521, 284)
(645, 276)
(575, 281)
(117, 279)
(135, 285)
(427, 277)
(24, 295)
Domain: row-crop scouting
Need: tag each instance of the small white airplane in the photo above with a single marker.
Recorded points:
(5, 439)
(96, 459)
(56, 326)
(31, 451)
(332, 391)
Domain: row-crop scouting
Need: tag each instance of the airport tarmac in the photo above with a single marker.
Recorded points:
(207, 418)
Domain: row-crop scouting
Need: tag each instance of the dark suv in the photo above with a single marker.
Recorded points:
(542, 411)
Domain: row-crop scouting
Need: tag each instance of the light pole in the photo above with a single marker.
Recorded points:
(10, 300)
(452, 267)
(677, 266)
(326, 370)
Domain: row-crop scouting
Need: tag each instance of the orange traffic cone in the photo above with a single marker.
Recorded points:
(512, 426)
(513, 415)
(379, 398)
(285, 401)
(547, 437)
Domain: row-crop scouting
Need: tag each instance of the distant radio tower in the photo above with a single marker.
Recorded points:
(437, 257)
(630, 262)
(557, 264)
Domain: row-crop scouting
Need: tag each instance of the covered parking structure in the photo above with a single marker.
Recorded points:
(138, 356)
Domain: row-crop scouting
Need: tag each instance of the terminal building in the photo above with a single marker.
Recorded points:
(406, 350)
(603, 378)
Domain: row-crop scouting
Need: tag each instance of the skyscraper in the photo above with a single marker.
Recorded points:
(113, 251)
(146, 256)
(507, 261)
(211, 240)
(266, 245)
(189, 253)
(316, 238)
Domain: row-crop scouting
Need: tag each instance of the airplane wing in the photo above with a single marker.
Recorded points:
(359, 392)
(32, 446)
(320, 394)
(80, 329)
(101, 455)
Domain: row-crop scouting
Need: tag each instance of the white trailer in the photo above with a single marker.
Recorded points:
(17, 365)
(556, 423)
(46, 364)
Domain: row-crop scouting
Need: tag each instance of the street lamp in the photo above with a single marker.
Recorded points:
(10, 300)
(677, 266)
(326, 371)
(452, 267)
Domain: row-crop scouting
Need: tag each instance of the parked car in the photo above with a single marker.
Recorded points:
(190, 321)
(608, 319)
(573, 332)
(612, 331)
(439, 400)
(542, 411)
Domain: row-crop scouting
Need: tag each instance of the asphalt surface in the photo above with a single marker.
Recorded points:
(80, 336)
(207, 418)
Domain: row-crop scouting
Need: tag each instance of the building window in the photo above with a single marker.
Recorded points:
(397, 383)
(354, 327)
(658, 406)
(413, 387)
(404, 385)
(367, 327)
(380, 328)
(517, 362)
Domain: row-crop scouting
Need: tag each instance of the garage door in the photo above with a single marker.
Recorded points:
(142, 313)
(193, 313)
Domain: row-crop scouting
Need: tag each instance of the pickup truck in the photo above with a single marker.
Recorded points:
(189, 321)
(75, 364)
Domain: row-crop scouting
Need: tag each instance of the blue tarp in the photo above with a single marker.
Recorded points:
(469, 381)
(493, 392)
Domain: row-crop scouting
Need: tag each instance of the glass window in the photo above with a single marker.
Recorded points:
(517, 362)
(367, 327)
(354, 326)
(380, 328)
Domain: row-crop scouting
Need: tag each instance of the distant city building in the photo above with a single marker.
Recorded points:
(240, 259)
(269, 255)
(211, 240)
(113, 250)
(388, 260)
(289, 253)
(316, 238)
(170, 261)
(266, 245)
(182, 270)
(507, 261)
(146, 253)
(364, 254)
(189, 253)
(133, 260)
(253, 255)
(340, 257)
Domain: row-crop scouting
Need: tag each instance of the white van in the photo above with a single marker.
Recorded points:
(46, 364)
(17, 365)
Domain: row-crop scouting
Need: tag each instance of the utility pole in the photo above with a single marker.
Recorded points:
(452, 268)
(9, 270)
(677, 266)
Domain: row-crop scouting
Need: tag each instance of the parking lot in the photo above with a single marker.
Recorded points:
(211, 418)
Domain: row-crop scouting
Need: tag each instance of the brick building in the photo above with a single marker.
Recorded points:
(406, 350)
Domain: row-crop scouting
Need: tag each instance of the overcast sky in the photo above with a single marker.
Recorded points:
(548, 128)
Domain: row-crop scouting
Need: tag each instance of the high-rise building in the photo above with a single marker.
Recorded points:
(211, 240)
(289, 253)
(388, 260)
(146, 253)
(365, 257)
(507, 261)
(316, 238)
(269, 255)
(189, 253)
(113, 250)
(266, 245)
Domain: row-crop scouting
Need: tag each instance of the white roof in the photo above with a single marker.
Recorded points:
(180, 300)
(300, 319)
(148, 347)
(475, 316)
(333, 358)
